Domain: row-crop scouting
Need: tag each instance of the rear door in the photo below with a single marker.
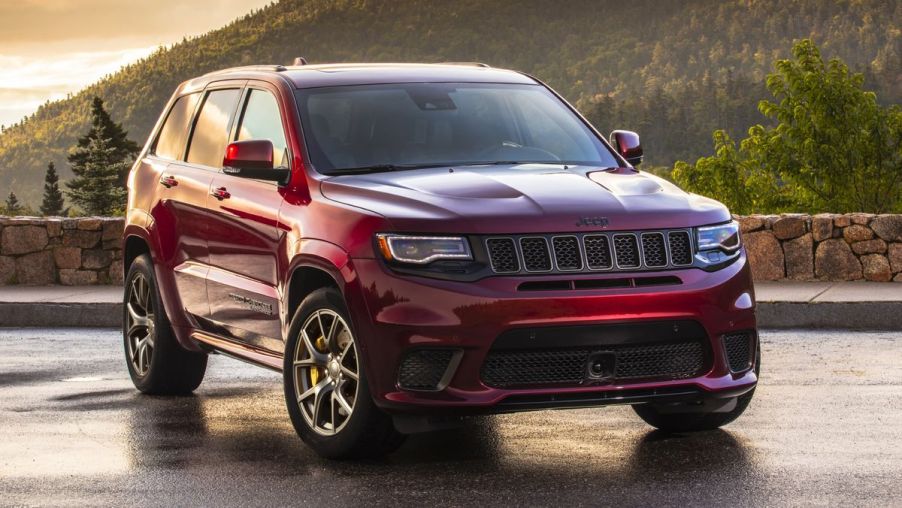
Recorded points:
(181, 207)
(244, 240)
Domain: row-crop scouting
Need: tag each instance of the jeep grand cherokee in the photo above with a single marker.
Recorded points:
(411, 244)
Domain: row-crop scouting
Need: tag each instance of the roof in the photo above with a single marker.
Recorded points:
(314, 76)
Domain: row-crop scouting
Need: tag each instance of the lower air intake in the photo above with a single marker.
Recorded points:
(425, 369)
(522, 368)
(738, 346)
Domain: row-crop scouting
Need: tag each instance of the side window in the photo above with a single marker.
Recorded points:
(171, 141)
(211, 131)
(261, 120)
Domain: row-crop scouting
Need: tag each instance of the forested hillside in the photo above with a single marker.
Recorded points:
(674, 71)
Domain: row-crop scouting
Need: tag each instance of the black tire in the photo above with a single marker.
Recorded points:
(367, 431)
(167, 368)
(680, 422)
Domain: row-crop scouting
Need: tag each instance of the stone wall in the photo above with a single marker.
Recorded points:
(53, 250)
(824, 247)
(832, 247)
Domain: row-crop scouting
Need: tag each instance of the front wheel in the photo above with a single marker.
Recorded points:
(326, 390)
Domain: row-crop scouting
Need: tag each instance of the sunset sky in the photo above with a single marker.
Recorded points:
(51, 47)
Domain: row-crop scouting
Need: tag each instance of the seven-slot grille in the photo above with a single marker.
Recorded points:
(646, 250)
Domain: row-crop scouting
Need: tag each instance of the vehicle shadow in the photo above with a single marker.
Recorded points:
(247, 432)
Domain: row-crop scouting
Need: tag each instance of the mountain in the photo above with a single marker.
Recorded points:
(636, 62)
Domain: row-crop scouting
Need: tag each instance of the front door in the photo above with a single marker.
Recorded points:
(245, 237)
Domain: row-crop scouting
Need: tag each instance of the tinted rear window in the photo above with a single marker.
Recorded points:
(171, 142)
(211, 132)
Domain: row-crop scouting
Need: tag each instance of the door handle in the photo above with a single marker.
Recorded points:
(220, 193)
(168, 181)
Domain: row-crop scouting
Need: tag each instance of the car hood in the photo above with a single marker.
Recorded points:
(527, 198)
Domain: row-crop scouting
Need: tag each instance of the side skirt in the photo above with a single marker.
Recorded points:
(244, 352)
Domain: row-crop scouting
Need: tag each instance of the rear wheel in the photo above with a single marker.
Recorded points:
(156, 362)
(685, 418)
(326, 390)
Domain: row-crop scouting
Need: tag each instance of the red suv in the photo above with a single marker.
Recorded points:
(412, 244)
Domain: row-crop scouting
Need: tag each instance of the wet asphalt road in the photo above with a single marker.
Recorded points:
(825, 428)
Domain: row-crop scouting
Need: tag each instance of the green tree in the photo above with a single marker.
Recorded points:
(12, 206)
(832, 146)
(95, 188)
(52, 203)
(103, 126)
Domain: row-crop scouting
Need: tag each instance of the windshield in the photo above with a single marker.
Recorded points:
(410, 125)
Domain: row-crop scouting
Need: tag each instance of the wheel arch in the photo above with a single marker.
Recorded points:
(315, 264)
(134, 245)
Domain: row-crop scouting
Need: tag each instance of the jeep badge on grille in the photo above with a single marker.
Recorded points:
(592, 221)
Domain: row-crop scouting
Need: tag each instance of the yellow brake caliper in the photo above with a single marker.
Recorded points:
(315, 373)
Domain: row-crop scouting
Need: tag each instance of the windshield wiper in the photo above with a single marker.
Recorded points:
(381, 168)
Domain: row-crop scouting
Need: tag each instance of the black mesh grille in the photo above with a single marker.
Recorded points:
(566, 253)
(680, 360)
(680, 248)
(423, 369)
(676, 361)
(535, 367)
(598, 252)
(626, 251)
(503, 255)
(584, 252)
(739, 350)
(535, 254)
(653, 249)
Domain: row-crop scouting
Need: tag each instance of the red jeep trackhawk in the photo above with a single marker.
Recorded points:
(409, 244)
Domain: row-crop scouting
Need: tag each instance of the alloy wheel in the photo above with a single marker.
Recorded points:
(140, 324)
(326, 372)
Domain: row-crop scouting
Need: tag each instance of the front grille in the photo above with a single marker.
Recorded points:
(738, 346)
(536, 257)
(517, 368)
(503, 255)
(566, 253)
(598, 252)
(424, 369)
(644, 250)
(654, 250)
(680, 248)
(626, 251)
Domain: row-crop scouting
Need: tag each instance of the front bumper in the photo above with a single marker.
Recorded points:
(395, 314)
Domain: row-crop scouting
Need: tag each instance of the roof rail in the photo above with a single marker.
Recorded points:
(298, 61)
(273, 68)
(468, 64)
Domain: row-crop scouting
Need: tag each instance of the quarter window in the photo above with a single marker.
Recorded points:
(171, 142)
(261, 120)
(211, 131)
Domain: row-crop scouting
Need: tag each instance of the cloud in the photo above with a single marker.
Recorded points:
(26, 82)
(49, 48)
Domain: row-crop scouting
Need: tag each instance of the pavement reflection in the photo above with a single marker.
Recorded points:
(76, 432)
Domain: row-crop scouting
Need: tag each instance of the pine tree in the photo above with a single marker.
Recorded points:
(100, 162)
(53, 198)
(102, 125)
(95, 188)
(13, 206)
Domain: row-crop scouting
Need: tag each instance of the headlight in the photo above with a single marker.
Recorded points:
(724, 237)
(421, 250)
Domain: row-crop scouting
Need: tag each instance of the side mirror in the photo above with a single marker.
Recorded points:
(252, 159)
(627, 145)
